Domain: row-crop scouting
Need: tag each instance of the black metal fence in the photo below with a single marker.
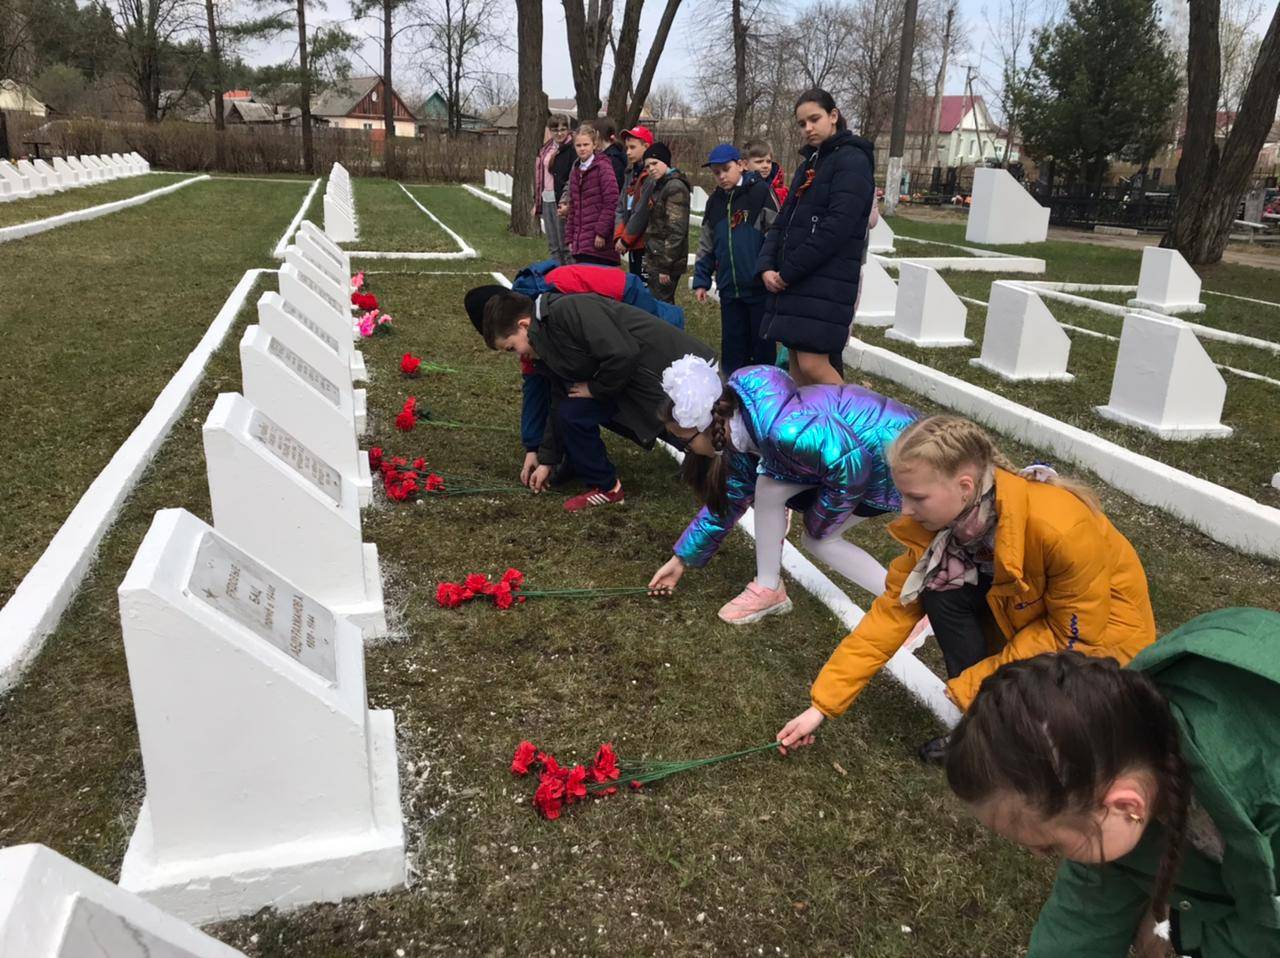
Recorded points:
(1120, 206)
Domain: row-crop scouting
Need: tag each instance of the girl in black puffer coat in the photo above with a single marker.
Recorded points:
(811, 262)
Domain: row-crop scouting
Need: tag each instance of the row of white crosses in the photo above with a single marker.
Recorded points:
(340, 221)
(499, 183)
(269, 782)
(27, 178)
(1164, 381)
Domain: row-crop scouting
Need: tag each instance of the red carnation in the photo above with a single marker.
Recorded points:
(502, 596)
(364, 301)
(525, 753)
(575, 786)
(476, 582)
(549, 797)
(435, 483)
(449, 595)
(605, 766)
(419, 464)
(513, 576)
(375, 457)
(409, 364)
(550, 765)
(406, 420)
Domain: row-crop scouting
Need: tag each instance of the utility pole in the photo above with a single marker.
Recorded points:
(973, 107)
(932, 136)
(901, 101)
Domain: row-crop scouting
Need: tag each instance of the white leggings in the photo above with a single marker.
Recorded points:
(852, 562)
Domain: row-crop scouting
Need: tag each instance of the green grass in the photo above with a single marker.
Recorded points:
(96, 318)
(80, 198)
(390, 222)
(831, 852)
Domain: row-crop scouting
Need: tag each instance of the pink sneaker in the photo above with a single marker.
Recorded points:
(754, 603)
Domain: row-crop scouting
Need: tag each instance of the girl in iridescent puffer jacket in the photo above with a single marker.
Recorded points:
(760, 439)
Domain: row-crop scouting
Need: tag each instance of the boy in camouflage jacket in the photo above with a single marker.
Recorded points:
(667, 234)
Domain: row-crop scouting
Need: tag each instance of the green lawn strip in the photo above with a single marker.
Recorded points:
(82, 197)
(903, 248)
(389, 221)
(96, 318)
(485, 227)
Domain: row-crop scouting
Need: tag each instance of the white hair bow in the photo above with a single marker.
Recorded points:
(694, 385)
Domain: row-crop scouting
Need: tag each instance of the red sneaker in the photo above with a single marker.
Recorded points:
(595, 497)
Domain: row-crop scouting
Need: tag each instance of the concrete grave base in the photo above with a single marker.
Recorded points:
(1186, 433)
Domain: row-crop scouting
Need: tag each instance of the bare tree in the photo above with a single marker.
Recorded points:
(624, 61)
(494, 91)
(150, 30)
(668, 101)
(1238, 29)
(384, 12)
(631, 115)
(17, 56)
(531, 115)
(452, 35)
(1211, 179)
(589, 30)
(823, 46)
(873, 69)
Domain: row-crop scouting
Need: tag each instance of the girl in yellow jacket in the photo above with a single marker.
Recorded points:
(1004, 567)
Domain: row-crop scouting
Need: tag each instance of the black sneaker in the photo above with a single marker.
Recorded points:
(934, 751)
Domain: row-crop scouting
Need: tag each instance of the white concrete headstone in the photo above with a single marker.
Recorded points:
(52, 176)
(317, 309)
(96, 170)
(37, 182)
(305, 403)
(929, 314)
(1167, 283)
(269, 782)
(50, 907)
(337, 255)
(877, 296)
(1022, 340)
(881, 236)
(316, 345)
(334, 291)
(1165, 382)
(17, 183)
(508, 183)
(338, 222)
(288, 508)
(1002, 212)
(69, 176)
(698, 200)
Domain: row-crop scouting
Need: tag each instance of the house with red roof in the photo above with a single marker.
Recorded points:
(966, 134)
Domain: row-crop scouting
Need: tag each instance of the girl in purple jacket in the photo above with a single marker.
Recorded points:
(593, 197)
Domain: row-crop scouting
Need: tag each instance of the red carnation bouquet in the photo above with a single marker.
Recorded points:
(402, 480)
(411, 413)
(412, 366)
(509, 590)
(559, 786)
(365, 302)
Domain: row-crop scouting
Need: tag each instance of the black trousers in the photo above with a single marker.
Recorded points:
(962, 622)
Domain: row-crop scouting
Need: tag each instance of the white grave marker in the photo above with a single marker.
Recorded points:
(305, 403)
(1002, 212)
(50, 907)
(336, 294)
(332, 266)
(877, 296)
(1165, 382)
(52, 176)
(269, 782)
(1167, 283)
(307, 301)
(37, 182)
(292, 510)
(881, 237)
(1022, 340)
(69, 176)
(17, 183)
(336, 252)
(698, 200)
(929, 314)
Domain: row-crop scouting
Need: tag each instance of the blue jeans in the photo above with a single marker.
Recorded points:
(578, 423)
(740, 342)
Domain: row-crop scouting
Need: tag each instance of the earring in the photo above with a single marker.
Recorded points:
(1136, 819)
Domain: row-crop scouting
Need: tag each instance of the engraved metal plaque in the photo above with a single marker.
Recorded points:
(306, 321)
(303, 461)
(305, 370)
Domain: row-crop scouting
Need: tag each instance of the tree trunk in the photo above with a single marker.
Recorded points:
(588, 32)
(219, 108)
(1210, 182)
(901, 101)
(929, 153)
(624, 62)
(531, 115)
(739, 30)
(632, 116)
(304, 91)
(388, 97)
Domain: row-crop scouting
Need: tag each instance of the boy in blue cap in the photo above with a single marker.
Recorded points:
(738, 215)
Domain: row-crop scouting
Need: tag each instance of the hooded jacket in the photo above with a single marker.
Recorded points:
(1064, 578)
(619, 351)
(833, 437)
(666, 243)
(733, 230)
(817, 243)
(593, 194)
(1221, 675)
(632, 215)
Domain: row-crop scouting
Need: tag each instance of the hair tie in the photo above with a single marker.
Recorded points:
(694, 385)
(1039, 472)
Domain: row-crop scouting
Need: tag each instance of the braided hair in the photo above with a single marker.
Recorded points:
(708, 476)
(1056, 730)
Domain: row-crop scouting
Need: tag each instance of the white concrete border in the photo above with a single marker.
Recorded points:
(44, 593)
(464, 250)
(1224, 515)
(20, 230)
(487, 197)
(294, 223)
(930, 690)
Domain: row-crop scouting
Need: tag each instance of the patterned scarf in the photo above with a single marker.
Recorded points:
(961, 551)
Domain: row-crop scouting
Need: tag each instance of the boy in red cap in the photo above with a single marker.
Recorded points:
(632, 215)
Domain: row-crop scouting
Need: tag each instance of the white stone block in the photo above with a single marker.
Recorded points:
(17, 183)
(85, 176)
(1165, 382)
(881, 237)
(96, 171)
(339, 256)
(698, 200)
(1022, 340)
(143, 165)
(507, 182)
(317, 347)
(291, 510)
(50, 907)
(1167, 283)
(929, 314)
(37, 182)
(305, 298)
(52, 176)
(336, 291)
(69, 176)
(105, 170)
(269, 782)
(339, 225)
(307, 405)
(877, 296)
(1002, 212)
(321, 259)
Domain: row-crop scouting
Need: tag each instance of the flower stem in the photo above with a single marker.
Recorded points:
(645, 772)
